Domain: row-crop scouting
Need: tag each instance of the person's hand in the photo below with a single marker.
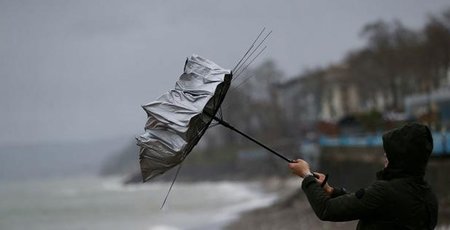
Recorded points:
(300, 168)
(320, 178)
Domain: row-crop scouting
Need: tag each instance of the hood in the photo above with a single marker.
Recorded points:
(407, 149)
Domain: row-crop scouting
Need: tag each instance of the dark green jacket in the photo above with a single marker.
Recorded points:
(399, 199)
(403, 203)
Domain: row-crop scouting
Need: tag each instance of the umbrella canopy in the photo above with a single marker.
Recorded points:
(177, 120)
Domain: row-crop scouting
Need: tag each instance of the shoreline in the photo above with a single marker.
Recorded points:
(292, 211)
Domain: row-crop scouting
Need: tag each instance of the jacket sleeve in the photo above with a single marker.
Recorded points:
(346, 207)
(338, 192)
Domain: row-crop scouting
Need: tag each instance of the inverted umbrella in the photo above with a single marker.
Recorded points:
(178, 119)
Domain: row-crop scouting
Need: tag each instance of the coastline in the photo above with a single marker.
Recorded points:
(292, 211)
(107, 204)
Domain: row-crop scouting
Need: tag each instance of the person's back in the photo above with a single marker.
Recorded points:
(409, 204)
(399, 199)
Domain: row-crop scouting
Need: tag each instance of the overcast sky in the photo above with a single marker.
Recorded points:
(79, 70)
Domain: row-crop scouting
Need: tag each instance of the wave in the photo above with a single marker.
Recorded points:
(163, 227)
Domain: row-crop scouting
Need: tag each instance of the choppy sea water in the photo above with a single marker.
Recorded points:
(97, 203)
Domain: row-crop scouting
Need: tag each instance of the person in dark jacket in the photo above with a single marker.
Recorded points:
(400, 198)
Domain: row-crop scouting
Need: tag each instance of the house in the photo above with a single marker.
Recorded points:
(436, 102)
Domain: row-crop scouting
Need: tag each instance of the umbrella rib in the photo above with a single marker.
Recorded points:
(171, 185)
(240, 84)
(257, 47)
(251, 62)
(245, 68)
(249, 49)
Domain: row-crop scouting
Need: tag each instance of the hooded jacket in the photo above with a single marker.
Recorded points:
(399, 199)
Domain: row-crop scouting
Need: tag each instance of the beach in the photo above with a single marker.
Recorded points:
(107, 204)
(98, 203)
(292, 211)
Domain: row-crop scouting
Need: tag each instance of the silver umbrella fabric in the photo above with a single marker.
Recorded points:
(177, 120)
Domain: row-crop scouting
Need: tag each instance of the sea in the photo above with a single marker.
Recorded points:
(83, 203)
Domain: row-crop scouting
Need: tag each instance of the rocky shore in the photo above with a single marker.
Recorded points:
(292, 211)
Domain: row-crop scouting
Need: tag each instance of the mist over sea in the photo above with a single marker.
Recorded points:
(98, 203)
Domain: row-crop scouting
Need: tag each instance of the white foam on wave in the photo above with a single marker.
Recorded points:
(163, 227)
(234, 189)
(253, 198)
(221, 202)
(116, 184)
(201, 205)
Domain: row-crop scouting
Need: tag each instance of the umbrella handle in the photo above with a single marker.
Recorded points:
(226, 124)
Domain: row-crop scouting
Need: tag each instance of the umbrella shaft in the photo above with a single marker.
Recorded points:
(224, 123)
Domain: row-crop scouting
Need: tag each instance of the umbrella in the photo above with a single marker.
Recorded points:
(178, 119)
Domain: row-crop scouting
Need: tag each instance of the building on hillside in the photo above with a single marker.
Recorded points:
(328, 95)
(436, 102)
(319, 95)
(299, 99)
(340, 95)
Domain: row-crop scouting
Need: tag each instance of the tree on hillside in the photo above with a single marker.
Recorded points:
(436, 49)
(390, 55)
(251, 105)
